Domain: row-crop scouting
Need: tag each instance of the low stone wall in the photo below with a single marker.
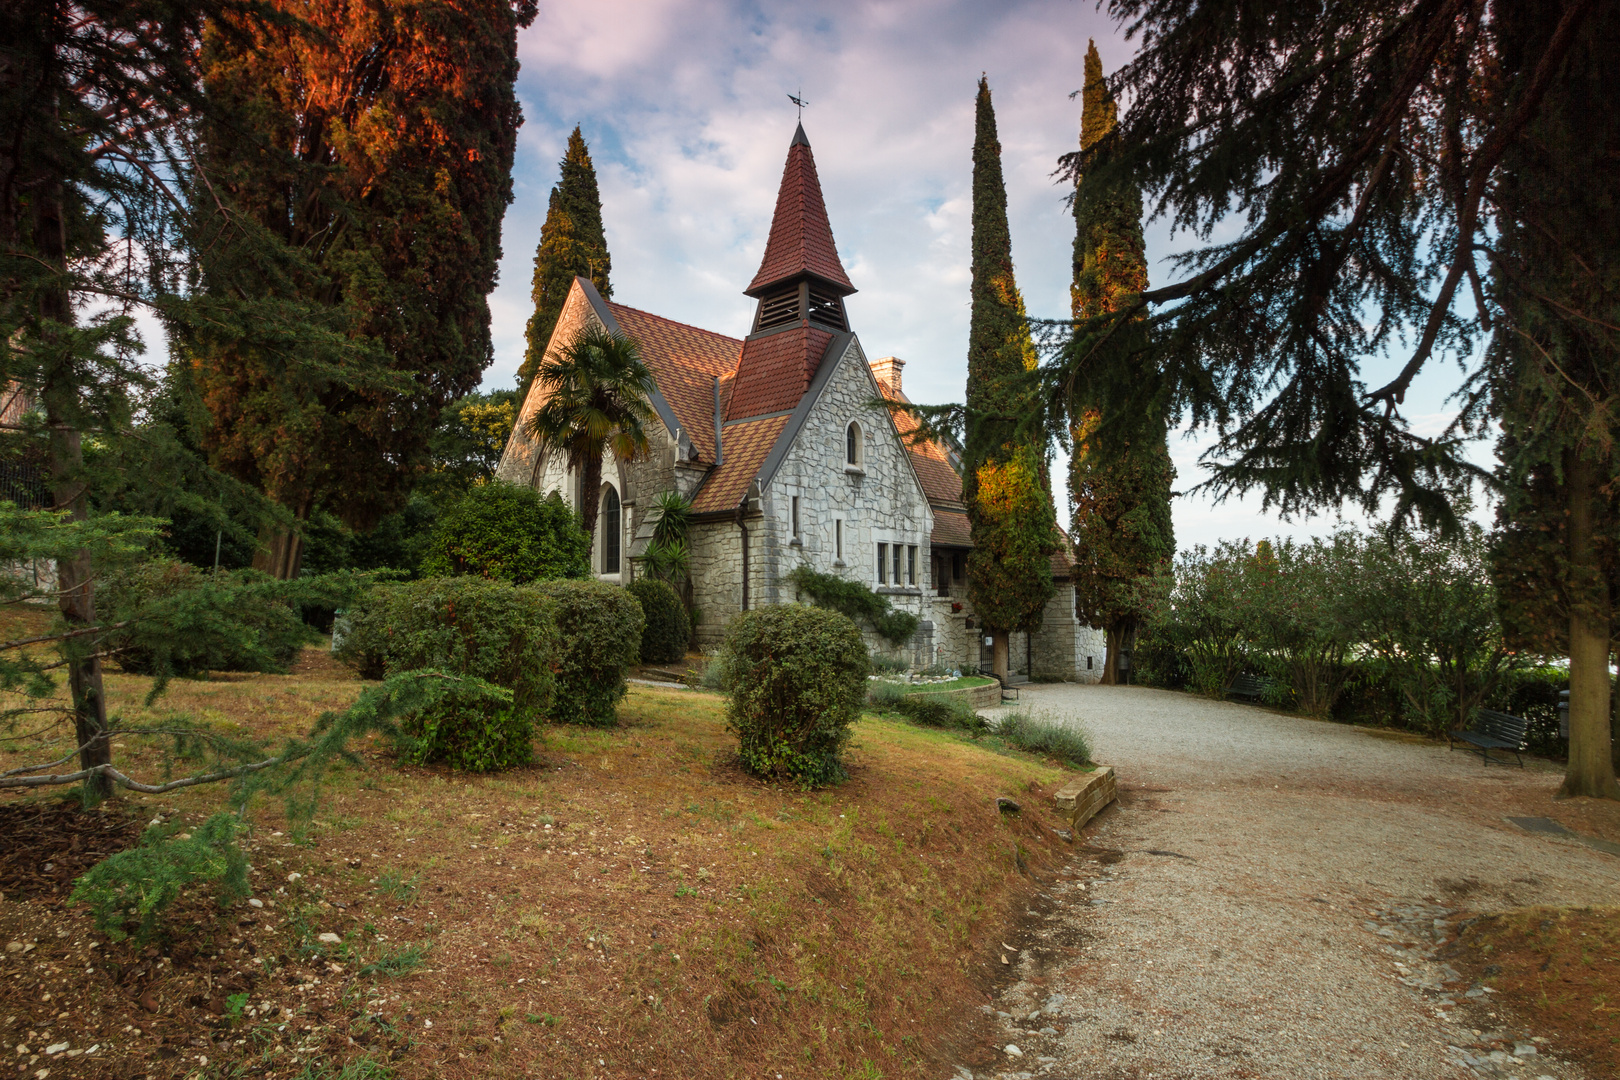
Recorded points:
(1082, 798)
(977, 697)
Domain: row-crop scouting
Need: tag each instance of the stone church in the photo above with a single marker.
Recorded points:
(787, 459)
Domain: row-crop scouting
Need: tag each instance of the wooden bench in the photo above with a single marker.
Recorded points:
(1249, 686)
(1491, 730)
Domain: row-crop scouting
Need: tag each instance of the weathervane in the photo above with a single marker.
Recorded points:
(798, 99)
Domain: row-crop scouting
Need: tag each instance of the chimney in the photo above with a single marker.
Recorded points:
(887, 371)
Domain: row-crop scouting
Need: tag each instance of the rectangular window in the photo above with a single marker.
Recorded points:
(883, 564)
(897, 552)
(911, 565)
(838, 539)
(956, 567)
(795, 517)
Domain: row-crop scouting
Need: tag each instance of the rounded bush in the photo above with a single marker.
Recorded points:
(797, 679)
(510, 533)
(180, 620)
(668, 629)
(488, 630)
(599, 629)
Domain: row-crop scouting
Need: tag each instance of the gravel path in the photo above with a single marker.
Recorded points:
(1261, 903)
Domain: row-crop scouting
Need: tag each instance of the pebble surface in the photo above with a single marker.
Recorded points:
(1267, 900)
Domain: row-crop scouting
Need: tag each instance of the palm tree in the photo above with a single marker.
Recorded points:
(596, 400)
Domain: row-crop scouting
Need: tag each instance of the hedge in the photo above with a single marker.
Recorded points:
(506, 531)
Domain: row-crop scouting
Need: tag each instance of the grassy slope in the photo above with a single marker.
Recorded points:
(833, 933)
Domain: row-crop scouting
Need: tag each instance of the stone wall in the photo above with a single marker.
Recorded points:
(880, 501)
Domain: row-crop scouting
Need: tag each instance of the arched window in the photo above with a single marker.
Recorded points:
(854, 451)
(609, 529)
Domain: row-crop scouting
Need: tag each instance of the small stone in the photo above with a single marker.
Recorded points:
(14, 946)
(1006, 805)
(330, 939)
(256, 902)
(1524, 1049)
(1013, 1051)
(294, 877)
(56, 1048)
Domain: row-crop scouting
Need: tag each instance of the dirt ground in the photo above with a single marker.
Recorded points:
(632, 905)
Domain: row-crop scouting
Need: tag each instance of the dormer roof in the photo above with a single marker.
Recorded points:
(801, 241)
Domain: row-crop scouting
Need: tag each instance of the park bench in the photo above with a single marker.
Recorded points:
(1491, 730)
(1249, 686)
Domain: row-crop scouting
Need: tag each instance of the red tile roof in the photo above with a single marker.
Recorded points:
(684, 361)
(745, 446)
(801, 239)
(774, 371)
(940, 481)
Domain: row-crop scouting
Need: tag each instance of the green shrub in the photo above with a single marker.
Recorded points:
(713, 675)
(360, 633)
(885, 695)
(664, 638)
(488, 630)
(1039, 735)
(185, 621)
(856, 602)
(889, 665)
(950, 711)
(797, 677)
(505, 531)
(139, 884)
(599, 627)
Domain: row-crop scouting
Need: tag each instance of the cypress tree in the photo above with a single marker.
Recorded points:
(1553, 379)
(1120, 471)
(373, 143)
(1004, 470)
(572, 244)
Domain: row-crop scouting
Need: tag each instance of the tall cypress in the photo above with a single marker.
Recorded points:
(572, 244)
(1120, 471)
(1004, 486)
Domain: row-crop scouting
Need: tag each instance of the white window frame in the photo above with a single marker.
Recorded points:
(859, 446)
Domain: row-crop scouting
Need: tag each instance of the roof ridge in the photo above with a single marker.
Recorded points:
(676, 322)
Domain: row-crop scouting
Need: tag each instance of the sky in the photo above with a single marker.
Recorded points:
(685, 108)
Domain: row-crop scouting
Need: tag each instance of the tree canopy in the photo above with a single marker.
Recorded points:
(375, 142)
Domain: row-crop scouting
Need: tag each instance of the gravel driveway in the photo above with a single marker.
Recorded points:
(1261, 902)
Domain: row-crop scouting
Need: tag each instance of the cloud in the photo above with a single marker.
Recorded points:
(684, 106)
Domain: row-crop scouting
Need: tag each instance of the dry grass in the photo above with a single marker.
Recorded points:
(1557, 974)
(634, 905)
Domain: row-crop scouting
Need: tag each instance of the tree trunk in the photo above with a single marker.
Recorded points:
(1591, 766)
(281, 551)
(590, 498)
(998, 654)
(75, 576)
(1117, 638)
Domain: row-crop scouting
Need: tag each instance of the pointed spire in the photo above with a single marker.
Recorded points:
(801, 240)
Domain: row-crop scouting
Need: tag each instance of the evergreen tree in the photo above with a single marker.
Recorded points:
(1014, 523)
(1119, 478)
(374, 140)
(572, 244)
(1554, 382)
(1371, 152)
